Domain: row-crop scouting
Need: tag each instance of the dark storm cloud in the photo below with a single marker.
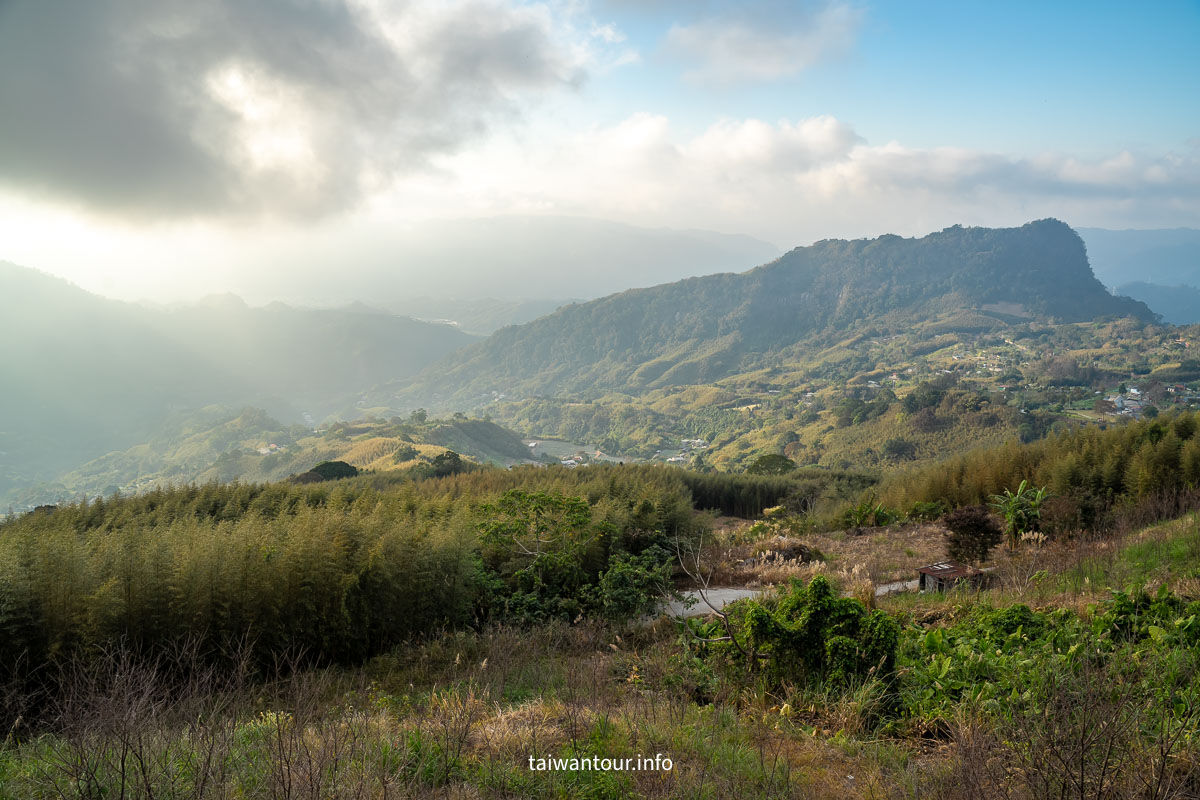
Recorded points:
(111, 103)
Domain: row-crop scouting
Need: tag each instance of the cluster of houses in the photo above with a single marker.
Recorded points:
(1183, 395)
(1130, 404)
(1133, 402)
(270, 448)
(686, 448)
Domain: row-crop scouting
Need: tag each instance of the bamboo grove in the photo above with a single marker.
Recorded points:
(340, 571)
(1094, 474)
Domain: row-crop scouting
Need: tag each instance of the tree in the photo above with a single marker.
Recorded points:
(538, 542)
(1022, 510)
(419, 416)
(771, 464)
(973, 532)
(447, 463)
(332, 470)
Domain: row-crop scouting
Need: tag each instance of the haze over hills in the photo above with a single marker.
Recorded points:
(1178, 304)
(123, 372)
(87, 375)
(490, 272)
(1159, 267)
(1165, 256)
(701, 329)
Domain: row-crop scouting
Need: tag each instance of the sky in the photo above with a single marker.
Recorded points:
(166, 149)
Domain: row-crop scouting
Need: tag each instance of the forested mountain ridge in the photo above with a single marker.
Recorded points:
(701, 329)
(84, 375)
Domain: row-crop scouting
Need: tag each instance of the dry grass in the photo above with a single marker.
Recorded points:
(875, 555)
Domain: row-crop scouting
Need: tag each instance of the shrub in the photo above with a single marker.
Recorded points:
(813, 634)
(921, 511)
(899, 448)
(973, 532)
(634, 586)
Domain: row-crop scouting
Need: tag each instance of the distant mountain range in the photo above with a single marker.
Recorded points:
(84, 375)
(1159, 267)
(700, 329)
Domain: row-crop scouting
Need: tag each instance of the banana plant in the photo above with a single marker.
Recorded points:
(1022, 510)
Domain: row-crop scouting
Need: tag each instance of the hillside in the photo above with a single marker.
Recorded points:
(702, 329)
(225, 444)
(88, 375)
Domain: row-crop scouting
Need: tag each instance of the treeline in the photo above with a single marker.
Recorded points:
(1090, 471)
(675, 492)
(741, 495)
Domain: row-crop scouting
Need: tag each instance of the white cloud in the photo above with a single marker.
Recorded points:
(746, 44)
(791, 182)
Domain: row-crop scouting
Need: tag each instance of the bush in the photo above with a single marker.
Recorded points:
(899, 448)
(634, 586)
(815, 635)
(973, 533)
(925, 511)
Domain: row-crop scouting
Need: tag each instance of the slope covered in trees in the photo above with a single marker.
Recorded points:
(701, 329)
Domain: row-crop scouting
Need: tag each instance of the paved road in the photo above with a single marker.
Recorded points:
(898, 586)
(718, 597)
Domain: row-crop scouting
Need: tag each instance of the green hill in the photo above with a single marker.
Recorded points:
(702, 329)
(226, 444)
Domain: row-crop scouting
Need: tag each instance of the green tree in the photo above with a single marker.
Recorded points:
(1022, 510)
(332, 470)
(973, 533)
(771, 464)
(539, 543)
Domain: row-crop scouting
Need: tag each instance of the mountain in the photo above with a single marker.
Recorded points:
(479, 315)
(1168, 257)
(85, 375)
(1178, 305)
(701, 329)
(317, 359)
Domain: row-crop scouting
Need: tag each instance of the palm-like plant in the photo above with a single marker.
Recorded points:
(1022, 510)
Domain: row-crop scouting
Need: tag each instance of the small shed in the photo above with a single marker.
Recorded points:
(945, 575)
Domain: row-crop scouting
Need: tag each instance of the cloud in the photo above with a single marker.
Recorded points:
(293, 108)
(790, 182)
(762, 41)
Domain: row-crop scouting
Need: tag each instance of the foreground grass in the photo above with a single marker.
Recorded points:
(460, 714)
(458, 717)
